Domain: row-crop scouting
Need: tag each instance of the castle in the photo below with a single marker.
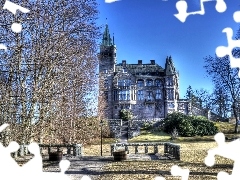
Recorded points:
(148, 90)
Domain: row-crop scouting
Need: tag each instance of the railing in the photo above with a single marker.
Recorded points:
(169, 148)
(72, 149)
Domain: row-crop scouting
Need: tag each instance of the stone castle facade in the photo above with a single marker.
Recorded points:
(148, 90)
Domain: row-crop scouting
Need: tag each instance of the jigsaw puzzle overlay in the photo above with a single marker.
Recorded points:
(182, 9)
(33, 168)
(222, 51)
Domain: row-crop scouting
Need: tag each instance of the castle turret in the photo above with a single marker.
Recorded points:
(169, 67)
(107, 62)
(171, 86)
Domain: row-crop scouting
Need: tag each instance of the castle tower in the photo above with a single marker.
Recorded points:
(171, 86)
(107, 63)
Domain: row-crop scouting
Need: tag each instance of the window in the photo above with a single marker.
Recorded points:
(169, 81)
(158, 82)
(124, 82)
(124, 95)
(140, 94)
(140, 83)
(149, 82)
(170, 94)
(158, 94)
(149, 96)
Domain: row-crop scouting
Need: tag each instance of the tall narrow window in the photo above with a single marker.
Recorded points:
(140, 83)
(158, 94)
(158, 82)
(115, 95)
(169, 81)
(124, 95)
(140, 94)
(149, 96)
(170, 94)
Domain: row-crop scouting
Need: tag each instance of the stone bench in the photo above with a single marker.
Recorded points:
(72, 149)
(169, 148)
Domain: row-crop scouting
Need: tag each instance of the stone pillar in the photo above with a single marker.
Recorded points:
(126, 148)
(68, 150)
(112, 148)
(136, 149)
(146, 149)
(49, 150)
(77, 150)
(165, 147)
(155, 149)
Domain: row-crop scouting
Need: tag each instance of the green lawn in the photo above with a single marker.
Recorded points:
(193, 152)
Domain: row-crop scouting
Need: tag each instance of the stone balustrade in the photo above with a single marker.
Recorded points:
(169, 148)
(72, 149)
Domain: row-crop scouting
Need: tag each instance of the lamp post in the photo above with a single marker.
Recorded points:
(101, 124)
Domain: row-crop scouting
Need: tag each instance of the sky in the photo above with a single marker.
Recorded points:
(148, 30)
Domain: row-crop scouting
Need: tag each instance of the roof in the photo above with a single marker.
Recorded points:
(142, 69)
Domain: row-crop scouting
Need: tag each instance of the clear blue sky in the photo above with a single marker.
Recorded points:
(148, 29)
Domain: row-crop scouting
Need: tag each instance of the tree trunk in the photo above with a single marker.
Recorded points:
(236, 117)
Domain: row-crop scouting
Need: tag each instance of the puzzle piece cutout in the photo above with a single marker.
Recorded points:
(32, 169)
(182, 6)
(111, 1)
(16, 27)
(227, 150)
(222, 51)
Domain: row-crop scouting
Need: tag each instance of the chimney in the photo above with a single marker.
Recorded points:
(124, 63)
(139, 62)
(152, 62)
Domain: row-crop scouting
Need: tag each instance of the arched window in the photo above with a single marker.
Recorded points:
(140, 83)
(149, 82)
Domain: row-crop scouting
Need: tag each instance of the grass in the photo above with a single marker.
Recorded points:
(193, 152)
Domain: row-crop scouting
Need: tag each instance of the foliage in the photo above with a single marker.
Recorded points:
(174, 134)
(125, 114)
(147, 126)
(49, 69)
(226, 83)
(189, 125)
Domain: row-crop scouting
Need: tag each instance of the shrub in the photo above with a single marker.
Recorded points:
(172, 121)
(189, 125)
(203, 126)
(125, 114)
(174, 134)
(147, 126)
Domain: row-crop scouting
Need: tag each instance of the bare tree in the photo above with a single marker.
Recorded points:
(49, 69)
(226, 81)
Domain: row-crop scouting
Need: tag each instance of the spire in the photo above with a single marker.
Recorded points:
(106, 40)
(169, 66)
(113, 39)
